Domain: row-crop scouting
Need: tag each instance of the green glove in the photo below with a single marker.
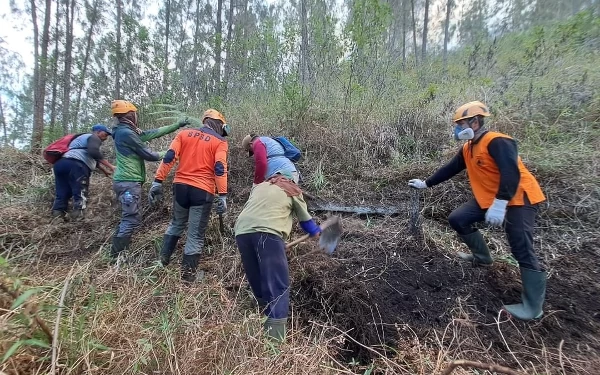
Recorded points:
(183, 122)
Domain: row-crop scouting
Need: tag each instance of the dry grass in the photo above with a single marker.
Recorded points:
(137, 318)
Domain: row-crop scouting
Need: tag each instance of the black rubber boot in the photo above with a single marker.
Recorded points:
(168, 246)
(533, 295)
(58, 214)
(76, 214)
(480, 252)
(118, 245)
(275, 328)
(189, 264)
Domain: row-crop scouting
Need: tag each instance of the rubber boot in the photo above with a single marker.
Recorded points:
(261, 303)
(118, 245)
(275, 328)
(58, 214)
(533, 295)
(76, 215)
(480, 253)
(189, 264)
(168, 246)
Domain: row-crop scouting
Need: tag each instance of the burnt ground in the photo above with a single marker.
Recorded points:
(385, 294)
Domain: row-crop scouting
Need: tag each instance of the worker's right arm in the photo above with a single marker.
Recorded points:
(260, 160)
(169, 160)
(452, 168)
(301, 211)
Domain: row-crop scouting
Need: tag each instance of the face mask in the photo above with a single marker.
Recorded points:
(226, 130)
(461, 134)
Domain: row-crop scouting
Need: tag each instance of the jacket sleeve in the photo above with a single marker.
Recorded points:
(299, 208)
(93, 147)
(139, 148)
(221, 168)
(451, 169)
(505, 154)
(260, 161)
(171, 157)
(148, 135)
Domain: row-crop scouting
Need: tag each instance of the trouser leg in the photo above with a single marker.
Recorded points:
(197, 223)
(79, 180)
(129, 195)
(518, 225)
(63, 192)
(462, 220)
(249, 255)
(174, 232)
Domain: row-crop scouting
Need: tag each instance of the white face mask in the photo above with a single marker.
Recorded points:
(465, 134)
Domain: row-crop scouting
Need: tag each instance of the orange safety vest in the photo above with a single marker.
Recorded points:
(484, 175)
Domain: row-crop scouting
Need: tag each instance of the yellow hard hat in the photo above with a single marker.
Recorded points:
(469, 110)
(122, 106)
(214, 114)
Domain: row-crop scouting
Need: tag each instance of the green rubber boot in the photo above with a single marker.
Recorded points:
(168, 246)
(480, 253)
(275, 328)
(533, 295)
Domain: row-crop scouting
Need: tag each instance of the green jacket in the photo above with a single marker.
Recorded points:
(131, 151)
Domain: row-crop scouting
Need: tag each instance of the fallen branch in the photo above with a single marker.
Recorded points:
(482, 366)
(33, 309)
(61, 301)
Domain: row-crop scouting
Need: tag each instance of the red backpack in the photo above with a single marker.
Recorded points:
(56, 149)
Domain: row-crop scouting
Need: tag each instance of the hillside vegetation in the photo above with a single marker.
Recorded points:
(391, 300)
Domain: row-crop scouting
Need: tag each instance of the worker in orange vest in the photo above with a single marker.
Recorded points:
(505, 193)
(201, 155)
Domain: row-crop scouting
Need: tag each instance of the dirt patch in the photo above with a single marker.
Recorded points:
(386, 293)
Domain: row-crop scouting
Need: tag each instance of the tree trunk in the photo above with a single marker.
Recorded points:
(3, 122)
(403, 6)
(425, 28)
(449, 4)
(119, 53)
(69, 21)
(218, 48)
(166, 56)
(94, 18)
(303, 44)
(40, 81)
(414, 27)
(193, 87)
(55, 71)
(229, 52)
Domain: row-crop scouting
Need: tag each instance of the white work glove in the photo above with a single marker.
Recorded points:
(417, 184)
(155, 193)
(494, 216)
(222, 204)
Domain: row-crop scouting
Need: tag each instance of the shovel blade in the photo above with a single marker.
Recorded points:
(330, 235)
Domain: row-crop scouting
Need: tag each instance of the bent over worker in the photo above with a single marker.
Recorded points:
(202, 157)
(505, 193)
(259, 233)
(131, 169)
(72, 172)
(269, 157)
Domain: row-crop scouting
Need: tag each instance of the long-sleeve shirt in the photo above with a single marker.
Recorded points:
(86, 148)
(505, 155)
(132, 152)
(269, 158)
(201, 155)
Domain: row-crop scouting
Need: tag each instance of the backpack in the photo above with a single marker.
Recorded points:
(56, 149)
(289, 150)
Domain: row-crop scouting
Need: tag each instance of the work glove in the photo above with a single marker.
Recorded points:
(494, 216)
(222, 204)
(417, 184)
(183, 122)
(156, 192)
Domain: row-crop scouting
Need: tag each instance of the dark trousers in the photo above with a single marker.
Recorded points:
(266, 267)
(518, 225)
(191, 206)
(71, 179)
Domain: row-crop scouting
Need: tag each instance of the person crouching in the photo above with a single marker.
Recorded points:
(260, 229)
